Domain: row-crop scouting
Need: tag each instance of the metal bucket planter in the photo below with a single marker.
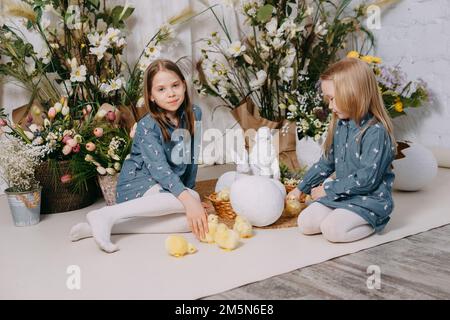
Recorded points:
(25, 206)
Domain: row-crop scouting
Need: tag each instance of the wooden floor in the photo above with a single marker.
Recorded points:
(416, 267)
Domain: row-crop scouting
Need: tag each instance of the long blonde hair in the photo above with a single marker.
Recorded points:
(356, 94)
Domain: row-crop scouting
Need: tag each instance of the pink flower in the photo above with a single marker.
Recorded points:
(90, 146)
(66, 178)
(76, 149)
(66, 150)
(3, 122)
(98, 132)
(111, 116)
(51, 113)
(66, 138)
(72, 142)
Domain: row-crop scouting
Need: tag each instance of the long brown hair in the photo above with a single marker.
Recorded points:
(356, 94)
(157, 112)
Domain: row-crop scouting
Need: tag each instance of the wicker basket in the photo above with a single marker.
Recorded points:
(223, 208)
(289, 188)
(59, 197)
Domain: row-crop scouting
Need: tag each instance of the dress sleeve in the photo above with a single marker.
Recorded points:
(155, 159)
(318, 173)
(376, 156)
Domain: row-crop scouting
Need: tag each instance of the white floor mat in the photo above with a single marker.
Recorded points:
(34, 261)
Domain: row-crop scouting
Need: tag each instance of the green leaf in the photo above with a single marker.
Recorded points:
(119, 15)
(264, 13)
(95, 3)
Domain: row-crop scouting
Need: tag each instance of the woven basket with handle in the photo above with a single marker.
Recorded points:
(223, 208)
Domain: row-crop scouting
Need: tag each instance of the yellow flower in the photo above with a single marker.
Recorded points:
(367, 59)
(398, 106)
(376, 60)
(353, 54)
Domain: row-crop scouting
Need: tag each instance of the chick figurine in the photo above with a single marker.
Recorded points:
(213, 221)
(224, 194)
(293, 207)
(226, 238)
(243, 227)
(178, 246)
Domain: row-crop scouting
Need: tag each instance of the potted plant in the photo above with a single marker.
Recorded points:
(18, 161)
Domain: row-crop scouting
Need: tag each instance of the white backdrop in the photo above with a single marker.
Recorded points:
(414, 33)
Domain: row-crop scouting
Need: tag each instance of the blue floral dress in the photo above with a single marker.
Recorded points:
(364, 176)
(173, 164)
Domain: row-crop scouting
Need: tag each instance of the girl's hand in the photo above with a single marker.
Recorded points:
(318, 192)
(294, 194)
(197, 219)
(195, 214)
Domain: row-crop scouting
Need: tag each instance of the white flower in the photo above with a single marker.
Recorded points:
(153, 51)
(236, 49)
(98, 51)
(65, 111)
(272, 27)
(58, 107)
(30, 65)
(38, 141)
(166, 32)
(309, 10)
(101, 170)
(44, 55)
(261, 77)
(140, 103)
(286, 74)
(292, 108)
(94, 39)
(78, 73)
(112, 35)
(277, 43)
(288, 60)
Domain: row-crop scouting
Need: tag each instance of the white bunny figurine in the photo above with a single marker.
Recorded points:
(263, 157)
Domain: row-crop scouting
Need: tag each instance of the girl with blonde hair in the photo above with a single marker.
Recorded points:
(359, 149)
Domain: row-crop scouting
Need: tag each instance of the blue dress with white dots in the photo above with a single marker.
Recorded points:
(364, 176)
(152, 160)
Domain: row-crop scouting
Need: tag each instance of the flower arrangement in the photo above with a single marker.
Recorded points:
(79, 83)
(109, 150)
(279, 60)
(18, 161)
(397, 92)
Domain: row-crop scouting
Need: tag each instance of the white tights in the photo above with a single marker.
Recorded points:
(154, 212)
(336, 225)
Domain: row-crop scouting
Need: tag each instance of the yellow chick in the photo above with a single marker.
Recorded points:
(213, 221)
(224, 194)
(293, 207)
(226, 239)
(178, 246)
(243, 227)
